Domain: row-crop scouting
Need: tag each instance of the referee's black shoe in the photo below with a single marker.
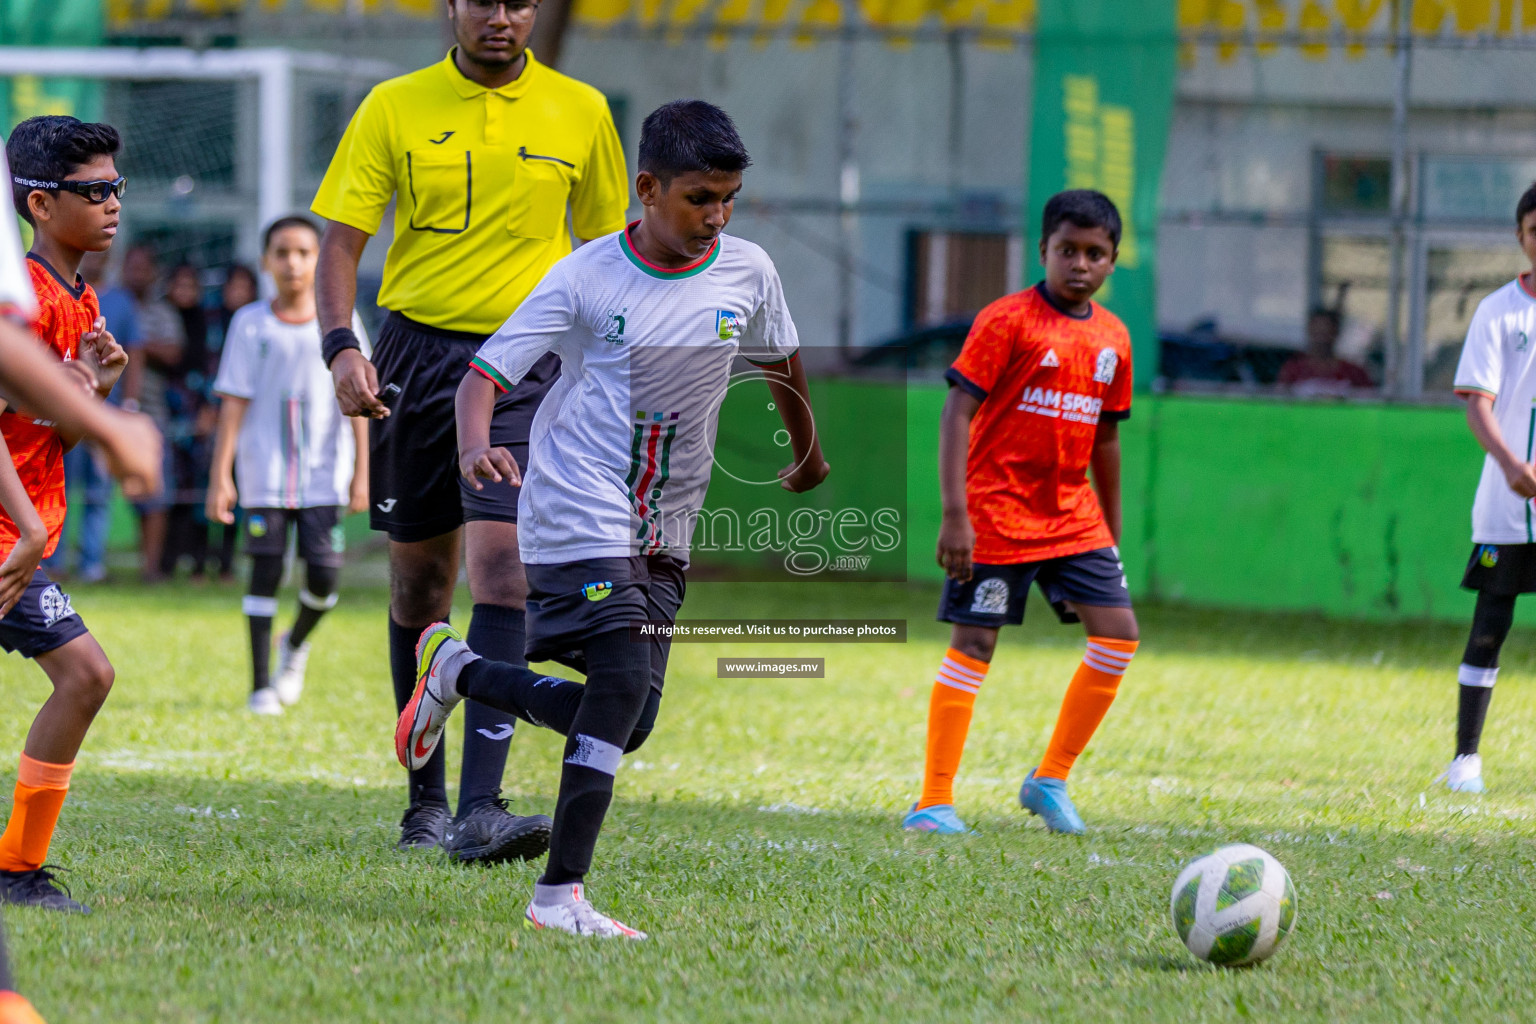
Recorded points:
(490, 834)
(422, 826)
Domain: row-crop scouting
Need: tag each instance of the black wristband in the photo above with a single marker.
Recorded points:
(336, 342)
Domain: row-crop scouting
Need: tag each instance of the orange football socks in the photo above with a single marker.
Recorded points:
(40, 791)
(949, 719)
(1088, 698)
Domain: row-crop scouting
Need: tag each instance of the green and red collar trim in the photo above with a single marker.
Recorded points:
(698, 266)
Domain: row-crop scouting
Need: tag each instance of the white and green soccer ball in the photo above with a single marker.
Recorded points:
(1234, 906)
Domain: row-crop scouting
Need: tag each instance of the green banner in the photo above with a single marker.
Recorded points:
(49, 23)
(1103, 97)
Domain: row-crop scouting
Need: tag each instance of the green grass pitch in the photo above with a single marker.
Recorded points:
(242, 869)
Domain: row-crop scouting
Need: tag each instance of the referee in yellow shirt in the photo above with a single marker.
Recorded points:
(483, 154)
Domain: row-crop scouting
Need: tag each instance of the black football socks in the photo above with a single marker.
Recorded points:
(495, 632)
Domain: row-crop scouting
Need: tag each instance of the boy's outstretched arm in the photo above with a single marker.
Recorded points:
(220, 505)
(473, 406)
(1520, 475)
(957, 538)
(1105, 464)
(17, 569)
(38, 381)
(792, 395)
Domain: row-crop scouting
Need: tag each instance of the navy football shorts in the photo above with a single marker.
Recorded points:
(414, 488)
(568, 602)
(994, 596)
(42, 621)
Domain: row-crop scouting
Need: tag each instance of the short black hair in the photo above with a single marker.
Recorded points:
(1526, 205)
(1327, 313)
(292, 220)
(51, 148)
(1083, 207)
(690, 135)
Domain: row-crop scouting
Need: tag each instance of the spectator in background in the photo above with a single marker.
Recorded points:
(1318, 371)
(192, 419)
(240, 289)
(145, 387)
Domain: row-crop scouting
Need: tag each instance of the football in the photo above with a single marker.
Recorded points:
(1234, 906)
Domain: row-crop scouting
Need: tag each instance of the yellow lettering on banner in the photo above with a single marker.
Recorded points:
(1080, 104)
(821, 14)
(1356, 16)
(1472, 15)
(602, 12)
(119, 11)
(775, 12)
(1313, 19)
(730, 14)
(1009, 15)
(30, 99)
(1117, 173)
(1231, 16)
(1271, 19)
(1527, 15)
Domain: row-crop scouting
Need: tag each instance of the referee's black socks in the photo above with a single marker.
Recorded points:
(495, 632)
(427, 782)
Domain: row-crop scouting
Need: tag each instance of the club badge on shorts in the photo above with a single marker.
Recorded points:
(597, 591)
(991, 597)
(55, 605)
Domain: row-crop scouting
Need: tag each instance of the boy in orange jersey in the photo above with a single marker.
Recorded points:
(1036, 401)
(65, 184)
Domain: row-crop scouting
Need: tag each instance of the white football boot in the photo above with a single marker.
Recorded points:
(572, 913)
(265, 702)
(291, 662)
(1465, 774)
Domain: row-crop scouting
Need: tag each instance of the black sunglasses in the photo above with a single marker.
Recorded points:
(93, 191)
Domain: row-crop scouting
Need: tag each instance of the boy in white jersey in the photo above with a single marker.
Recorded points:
(300, 463)
(1497, 377)
(647, 323)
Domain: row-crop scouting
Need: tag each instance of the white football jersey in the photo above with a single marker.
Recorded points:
(295, 448)
(1499, 360)
(15, 282)
(620, 451)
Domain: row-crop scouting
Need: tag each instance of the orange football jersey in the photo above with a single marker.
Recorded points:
(64, 313)
(1044, 379)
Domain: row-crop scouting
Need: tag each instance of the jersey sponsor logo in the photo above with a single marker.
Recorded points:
(1488, 556)
(597, 591)
(1051, 359)
(1104, 368)
(615, 335)
(256, 526)
(727, 324)
(54, 605)
(445, 138)
(387, 506)
(1066, 405)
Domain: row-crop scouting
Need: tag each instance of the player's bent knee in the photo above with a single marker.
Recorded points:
(978, 642)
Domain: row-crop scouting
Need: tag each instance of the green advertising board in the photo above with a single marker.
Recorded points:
(49, 23)
(1103, 98)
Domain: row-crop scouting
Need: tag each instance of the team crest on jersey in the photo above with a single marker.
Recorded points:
(1488, 556)
(727, 324)
(1051, 359)
(615, 335)
(55, 605)
(991, 597)
(596, 591)
(1104, 369)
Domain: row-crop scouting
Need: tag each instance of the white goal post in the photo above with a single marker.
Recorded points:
(276, 176)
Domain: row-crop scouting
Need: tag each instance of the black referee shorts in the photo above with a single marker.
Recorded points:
(413, 478)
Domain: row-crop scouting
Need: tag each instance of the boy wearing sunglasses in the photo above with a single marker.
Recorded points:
(66, 186)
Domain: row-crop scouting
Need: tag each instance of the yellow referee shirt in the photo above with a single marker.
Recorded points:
(481, 178)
